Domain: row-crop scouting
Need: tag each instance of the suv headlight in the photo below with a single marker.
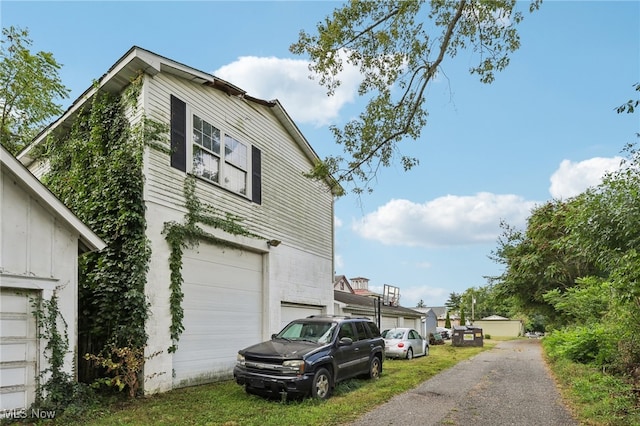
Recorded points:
(240, 360)
(294, 366)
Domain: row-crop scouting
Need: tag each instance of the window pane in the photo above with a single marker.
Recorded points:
(215, 139)
(206, 135)
(206, 141)
(197, 123)
(205, 164)
(235, 152)
(235, 179)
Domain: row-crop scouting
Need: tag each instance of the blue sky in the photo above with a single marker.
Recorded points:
(546, 128)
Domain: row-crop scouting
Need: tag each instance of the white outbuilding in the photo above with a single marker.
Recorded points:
(40, 241)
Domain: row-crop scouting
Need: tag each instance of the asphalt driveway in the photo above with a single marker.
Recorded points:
(507, 385)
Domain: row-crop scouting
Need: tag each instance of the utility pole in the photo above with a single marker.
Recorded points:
(473, 305)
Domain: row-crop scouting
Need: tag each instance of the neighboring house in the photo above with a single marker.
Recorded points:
(441, 314)
(430, 320)
(390, 316)
(495, 325)
(248, 159)
(40, 240)
(360, 285)
(341, 283)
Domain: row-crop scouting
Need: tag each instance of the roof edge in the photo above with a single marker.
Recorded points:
(88, 240)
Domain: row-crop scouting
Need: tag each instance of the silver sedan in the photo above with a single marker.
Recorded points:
(404, 343)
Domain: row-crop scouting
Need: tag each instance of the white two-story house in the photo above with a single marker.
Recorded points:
(248, 160)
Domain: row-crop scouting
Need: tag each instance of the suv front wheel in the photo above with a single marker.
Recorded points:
(375, 368)
(321, 387)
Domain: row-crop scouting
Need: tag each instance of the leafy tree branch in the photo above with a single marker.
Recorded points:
(399, 48)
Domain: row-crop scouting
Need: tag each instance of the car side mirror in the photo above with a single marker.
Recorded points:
(345, 341)
(273, 336)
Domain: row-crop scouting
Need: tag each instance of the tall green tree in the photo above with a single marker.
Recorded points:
(399, 48)
(454, 301)
(488, 302)
(29, 88)
(545, 257)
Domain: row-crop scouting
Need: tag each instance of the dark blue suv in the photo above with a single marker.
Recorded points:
(309, 356)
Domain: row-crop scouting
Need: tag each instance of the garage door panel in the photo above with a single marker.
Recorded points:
(226, 331)
(222, 311)
(12, 352)
(14, 399)
(16, 376)
(388, 322)
(14, 300)
(206, 356)
(290, 312)
(14, 327)
(210, 298)
(18, 349)
(229, 258)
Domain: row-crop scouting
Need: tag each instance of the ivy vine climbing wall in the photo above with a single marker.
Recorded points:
(96, 170)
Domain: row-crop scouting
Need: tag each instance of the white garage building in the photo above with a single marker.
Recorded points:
(247, 160)
(40, 240)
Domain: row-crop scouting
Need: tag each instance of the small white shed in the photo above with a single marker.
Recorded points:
(40, 240)
(429, 320)
(496, 325)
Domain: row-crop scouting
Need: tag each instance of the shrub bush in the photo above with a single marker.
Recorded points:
(586, 345)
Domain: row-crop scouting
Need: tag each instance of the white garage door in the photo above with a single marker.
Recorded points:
(222, 312)
(292, 311)
(388, 322)
(18, 355)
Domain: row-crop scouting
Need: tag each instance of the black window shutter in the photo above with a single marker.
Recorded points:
(178, 134)
(256, 175)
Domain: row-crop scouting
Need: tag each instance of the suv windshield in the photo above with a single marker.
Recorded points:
(320, 332)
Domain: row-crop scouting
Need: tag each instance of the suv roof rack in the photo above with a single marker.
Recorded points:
(337, 316)
(329, 316)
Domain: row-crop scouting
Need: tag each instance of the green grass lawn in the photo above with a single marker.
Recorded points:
(226, 403)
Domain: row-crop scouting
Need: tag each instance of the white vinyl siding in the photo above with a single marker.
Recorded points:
(293, 209)
(301, 215)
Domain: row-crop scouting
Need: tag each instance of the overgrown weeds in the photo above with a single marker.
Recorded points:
(595, 396)
(226, 403)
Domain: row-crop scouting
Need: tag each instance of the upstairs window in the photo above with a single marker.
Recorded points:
(206, 150)
(215, 155)
(227, 167)
(235, 157)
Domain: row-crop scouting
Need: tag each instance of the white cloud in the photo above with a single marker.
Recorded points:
(572, 178)
(446, 221)
(431, 296)
(337, 222)
(288, 81)
(423, 265)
